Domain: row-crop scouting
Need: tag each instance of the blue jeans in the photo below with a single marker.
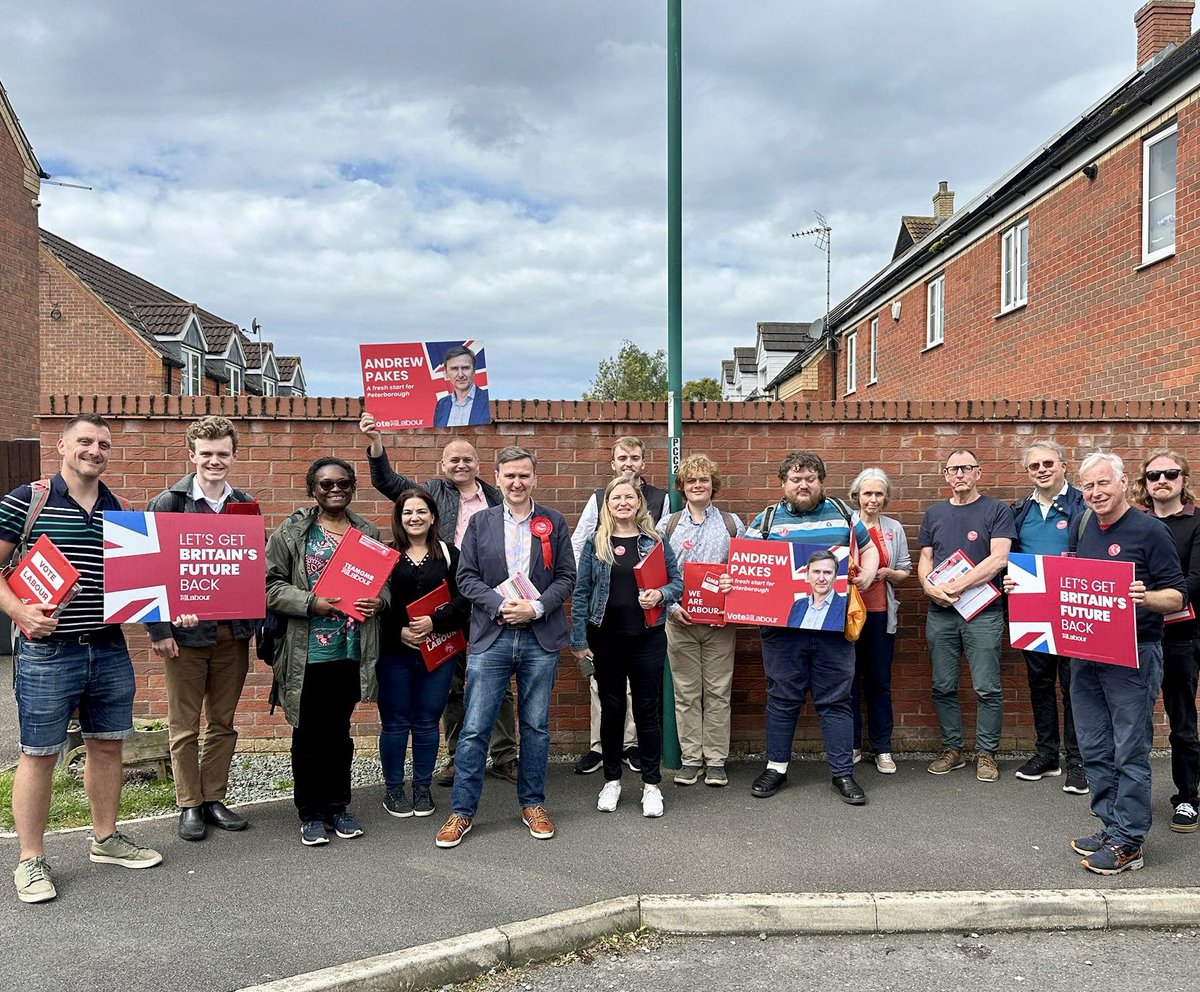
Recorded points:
(1114, 711)
(797, 662)
(54, 677)
(949, 637)
(873, 653)
(411, 700)
(514, 652)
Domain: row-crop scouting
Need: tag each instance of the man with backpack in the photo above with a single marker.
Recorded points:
(797, 662)
(70, 660)
(205, 665)
(628, 459)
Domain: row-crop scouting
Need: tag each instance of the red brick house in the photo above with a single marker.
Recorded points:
(1075, 275)
(105, 330)
(20, 186)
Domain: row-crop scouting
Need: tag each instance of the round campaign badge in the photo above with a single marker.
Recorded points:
(1061, 525)
(619, 550)
(1114, 550)
(688, 545)
(972, 535)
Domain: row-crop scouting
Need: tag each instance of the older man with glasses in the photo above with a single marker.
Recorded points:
(982, 528)
(1045, 521)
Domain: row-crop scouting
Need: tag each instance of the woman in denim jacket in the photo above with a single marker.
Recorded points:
(611, 629)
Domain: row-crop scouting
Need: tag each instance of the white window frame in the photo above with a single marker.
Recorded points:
(191, 380)
(1014, 267)
(874, 351)
(935, 311)
(237, 380)
(1148, 254)
(269, 387)
(851, 362)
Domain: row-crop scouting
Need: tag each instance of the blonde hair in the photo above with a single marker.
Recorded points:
(1141, 496)
(604, 531)
(697, 465)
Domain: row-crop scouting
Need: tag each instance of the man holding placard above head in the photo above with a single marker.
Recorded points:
(205, 666)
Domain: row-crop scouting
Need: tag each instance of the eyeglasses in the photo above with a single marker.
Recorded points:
(341, 485)
(960, 469)
(1048, 463)
(1170, 473)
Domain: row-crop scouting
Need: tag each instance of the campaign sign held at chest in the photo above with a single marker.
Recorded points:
(159, 565)
(771, 585)
(1075, 607)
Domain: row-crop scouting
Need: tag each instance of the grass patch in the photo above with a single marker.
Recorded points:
(69, 805)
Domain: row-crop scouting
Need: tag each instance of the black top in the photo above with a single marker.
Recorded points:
(1185, 528)
(622, 614)
(408, 583)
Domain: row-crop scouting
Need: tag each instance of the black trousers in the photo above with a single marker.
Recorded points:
(1180, 669)
(322, 749)
(630, 664)
(1044, 670)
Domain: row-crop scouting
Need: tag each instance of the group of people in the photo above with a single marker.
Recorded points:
(510, 565)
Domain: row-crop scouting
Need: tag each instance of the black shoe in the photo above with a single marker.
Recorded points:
(1076, 782)
(1038, 767)
(768, 783)
(191, 823)
(633, 758)
(589, 763)
(850, 791)
(221, 816)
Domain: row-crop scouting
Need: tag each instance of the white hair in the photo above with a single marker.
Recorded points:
(1096, 457)
(866, 474)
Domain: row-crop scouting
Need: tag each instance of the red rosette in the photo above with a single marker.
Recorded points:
(541, 528)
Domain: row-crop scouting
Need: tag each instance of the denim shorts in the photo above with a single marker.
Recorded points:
(55, 677)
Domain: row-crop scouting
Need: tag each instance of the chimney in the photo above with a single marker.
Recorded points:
(1161, 23)
(943, 202)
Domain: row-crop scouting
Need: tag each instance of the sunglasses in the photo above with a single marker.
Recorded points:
(1171, 473)
(960, 469)
(1047, 464)
(341, 485)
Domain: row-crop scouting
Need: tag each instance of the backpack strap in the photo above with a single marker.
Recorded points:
(768, 518)
(673, 522)
(1083, 519)
(730, 523)
(39, 496)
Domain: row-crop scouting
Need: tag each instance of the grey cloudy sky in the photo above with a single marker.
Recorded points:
(370, 171)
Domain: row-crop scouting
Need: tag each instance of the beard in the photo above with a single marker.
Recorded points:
(809, 502)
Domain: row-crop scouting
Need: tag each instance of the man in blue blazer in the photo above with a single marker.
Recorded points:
(467, 404)
(511, 635)
(827, 607)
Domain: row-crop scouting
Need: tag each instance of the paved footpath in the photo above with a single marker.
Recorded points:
(237, 910)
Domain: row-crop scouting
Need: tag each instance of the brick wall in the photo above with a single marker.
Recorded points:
(281, 436)
(18, 295)
(1097, 324)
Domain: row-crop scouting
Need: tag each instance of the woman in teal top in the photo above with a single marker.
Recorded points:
(325, 662)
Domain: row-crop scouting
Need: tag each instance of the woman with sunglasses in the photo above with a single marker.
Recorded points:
(411, 697)
(609, 629)
(325, 662)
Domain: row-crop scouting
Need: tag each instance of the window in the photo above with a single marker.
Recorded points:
(874, 349)
(270, 387)
(1158, 195)
(935, 312)
(237, 381)
(189, 380)
(852, 362)
(1014, 267)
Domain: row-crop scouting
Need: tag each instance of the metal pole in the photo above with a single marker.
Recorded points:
(671, 755)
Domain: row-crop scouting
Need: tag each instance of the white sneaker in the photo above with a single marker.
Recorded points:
(857, 757)
(652, 803)
(609, 796)
(884, 764)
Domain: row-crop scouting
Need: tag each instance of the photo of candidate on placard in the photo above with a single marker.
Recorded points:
(822, 606)
(425, 384)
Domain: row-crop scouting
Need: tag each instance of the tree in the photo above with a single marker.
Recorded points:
(633, 374)
(701, 390)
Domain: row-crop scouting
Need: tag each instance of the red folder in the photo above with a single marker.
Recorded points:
(44, 576)
(358, 569)
(702, 597)
(651, 573)
(247, 509)
(437, 649)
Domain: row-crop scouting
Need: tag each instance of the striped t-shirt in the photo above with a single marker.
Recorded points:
(77, 535)
(823, 525)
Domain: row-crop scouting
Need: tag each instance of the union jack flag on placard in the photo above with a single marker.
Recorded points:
(136, 575)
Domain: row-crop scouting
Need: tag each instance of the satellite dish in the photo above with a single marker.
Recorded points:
(816, 330)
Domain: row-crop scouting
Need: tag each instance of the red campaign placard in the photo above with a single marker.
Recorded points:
(159, 565)
(44, 576)
(358, 569)
(403, 383)
(1075, 607)
(770, 583)
(702, 596)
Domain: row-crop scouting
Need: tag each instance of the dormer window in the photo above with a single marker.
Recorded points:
(237, 380)
(189, 380)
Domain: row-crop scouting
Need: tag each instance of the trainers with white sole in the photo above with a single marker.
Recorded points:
(609, 796)
(33, 880)
(118, 849)
(652, 801)
(885, 764)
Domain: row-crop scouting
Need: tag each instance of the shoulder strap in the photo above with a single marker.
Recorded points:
(730, 523)
(1083, 519)
(768, 518)
(445, 552)
(38, 497)
(673, 522)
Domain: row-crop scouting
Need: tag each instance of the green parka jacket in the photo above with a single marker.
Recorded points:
(288, 594)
